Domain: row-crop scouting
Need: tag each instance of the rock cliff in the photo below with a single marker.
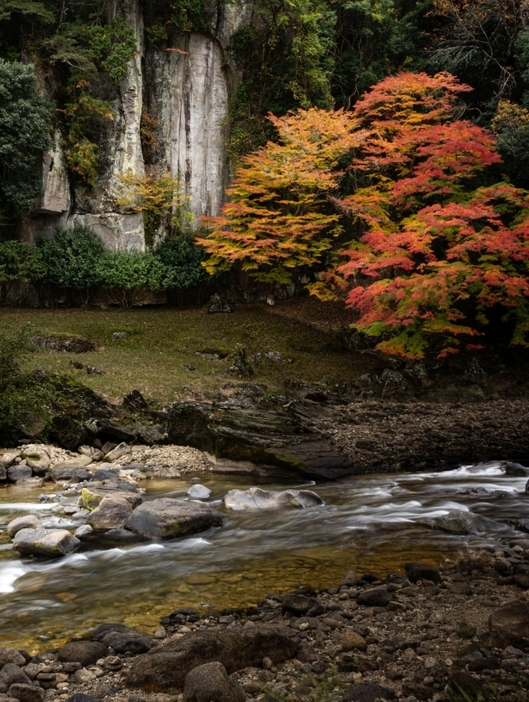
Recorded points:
(184, 89)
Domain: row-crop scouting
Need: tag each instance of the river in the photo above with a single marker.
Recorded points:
(369, 523)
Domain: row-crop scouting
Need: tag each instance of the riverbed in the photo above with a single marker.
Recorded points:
(369, 523)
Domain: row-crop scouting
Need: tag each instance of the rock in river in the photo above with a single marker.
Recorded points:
(255, 498)
(29, 521)
(460, 522)
(111, 513)
(166, 518)
(45, 543)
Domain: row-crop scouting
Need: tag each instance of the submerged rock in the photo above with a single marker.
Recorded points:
(167, 518)
(45, 543)
(256, 498)
(460, 522)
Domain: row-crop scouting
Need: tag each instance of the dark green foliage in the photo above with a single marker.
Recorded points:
(165, 20)
(129, 275)
(182, 261)
(25, 118)
(19, 263)
(72, 258)
(24, 397)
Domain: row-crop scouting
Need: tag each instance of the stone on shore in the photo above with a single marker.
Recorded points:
(167, 666)
(167, 518)
(11, 674)
(377, 597)
(45, 543)
(509, 625)
(256, 498)
(84, 652)
(8, 654)
(26, 693)
(210, 683)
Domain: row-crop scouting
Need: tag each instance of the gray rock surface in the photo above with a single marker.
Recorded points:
(111, 513)
(199, 492)
(84, 652)
(45, 543)
(509, 625)
(210, 683)
(29, 521)
(166, 518)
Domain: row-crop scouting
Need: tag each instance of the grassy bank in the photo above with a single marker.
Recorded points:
(159, 344)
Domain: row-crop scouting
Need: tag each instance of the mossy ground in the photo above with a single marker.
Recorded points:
(161, 343)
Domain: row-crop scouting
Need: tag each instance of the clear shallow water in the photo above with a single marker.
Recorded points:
(368, 523)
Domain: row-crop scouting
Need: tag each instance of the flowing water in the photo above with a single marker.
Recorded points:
(369, 523)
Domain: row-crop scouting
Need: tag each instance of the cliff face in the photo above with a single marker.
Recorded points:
(184, 90)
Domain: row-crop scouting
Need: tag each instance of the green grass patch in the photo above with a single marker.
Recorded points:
(159, 344)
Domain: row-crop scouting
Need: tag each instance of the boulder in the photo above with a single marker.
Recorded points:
(199, 492)
(166, 518)
(210, 683)
(9, 457)
(45, 543)
(83, 531)
(416, 571)
(125, 642)
(509, 625)
(18, 472)
(460, 522)
(29, 521)
(74, 475)
(166, 667)
(516, 470)
(280, 438)
(121, 450)
(111, 513)
(67, 432)
(11, 655)
(11, 674)
(94, 494)
(255, 498)
(84, 652)
(36, 458)
(377, 597)
(300, 605)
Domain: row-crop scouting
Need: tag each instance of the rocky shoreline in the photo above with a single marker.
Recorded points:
(421, 635)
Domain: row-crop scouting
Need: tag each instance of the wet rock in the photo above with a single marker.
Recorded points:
(29, 521)
(199, 492)
(509, 625)
(166, 666)
(45, 543)
(256, 498)
(93, 495)
(18, 472)
(11, 674)
(377, 597)
(367, 692)
(516, 470)
(210, 683)
(84, 652)
(459, 522)
(167, 518)
(83, 531)
(417, 571)
(26, 693)
(111, 513)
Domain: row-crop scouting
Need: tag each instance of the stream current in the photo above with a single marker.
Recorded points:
(369, 523)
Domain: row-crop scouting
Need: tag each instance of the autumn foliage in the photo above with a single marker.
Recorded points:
(433, 246)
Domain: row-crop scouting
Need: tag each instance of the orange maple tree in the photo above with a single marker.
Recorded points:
(434, 246)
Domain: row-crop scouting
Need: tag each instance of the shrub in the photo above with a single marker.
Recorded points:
(182, 260)
(25, 119)
(19, 263)
(72, 258)
(129, 276)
